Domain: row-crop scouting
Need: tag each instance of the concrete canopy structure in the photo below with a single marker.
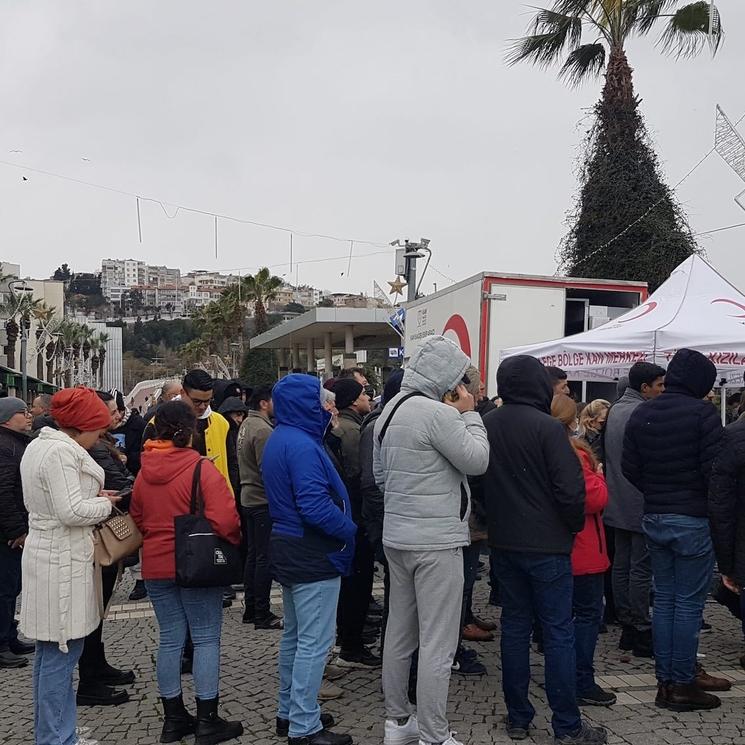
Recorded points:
(328, 330)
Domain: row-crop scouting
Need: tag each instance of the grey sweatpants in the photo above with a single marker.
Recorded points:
(424, 613)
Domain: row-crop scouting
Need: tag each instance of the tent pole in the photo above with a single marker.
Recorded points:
(723, 404)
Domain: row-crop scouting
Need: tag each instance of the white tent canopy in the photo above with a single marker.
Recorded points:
(695, 308)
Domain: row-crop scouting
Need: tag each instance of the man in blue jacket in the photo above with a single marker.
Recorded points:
(311, 548)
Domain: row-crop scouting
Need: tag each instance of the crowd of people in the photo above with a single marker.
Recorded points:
(590, 515)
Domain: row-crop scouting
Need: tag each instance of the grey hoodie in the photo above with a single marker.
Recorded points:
(427, 452)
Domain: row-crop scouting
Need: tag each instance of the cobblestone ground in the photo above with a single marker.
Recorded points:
(249, 687)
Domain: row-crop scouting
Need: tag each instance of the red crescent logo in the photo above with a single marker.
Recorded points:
(731, 302)
(457, 325)
(646, 308)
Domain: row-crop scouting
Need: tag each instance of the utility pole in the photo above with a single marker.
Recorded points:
(411, 252)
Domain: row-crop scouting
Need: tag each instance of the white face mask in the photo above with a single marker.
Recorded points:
(206, 413)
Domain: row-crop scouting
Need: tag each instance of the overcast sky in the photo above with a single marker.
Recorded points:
(371, 121)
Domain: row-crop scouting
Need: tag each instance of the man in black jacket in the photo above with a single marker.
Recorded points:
(535, 499)
(727, 511)
(15, 424)
(669, 447)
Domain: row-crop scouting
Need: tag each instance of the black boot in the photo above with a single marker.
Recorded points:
(178, 722)
(93, 693)
(139, 592)
(643, 646)
(112, 676)
(322, 737)
(211, 729)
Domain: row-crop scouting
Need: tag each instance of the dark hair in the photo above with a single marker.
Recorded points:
(175, 421)
(556, 374)
(105, 396)
(350, 372)
(262, 393)
(198, 380)
(644, 372)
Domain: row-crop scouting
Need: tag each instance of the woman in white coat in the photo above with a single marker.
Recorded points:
(62, 489)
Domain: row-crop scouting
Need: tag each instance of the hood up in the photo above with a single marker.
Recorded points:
(437, 367)
(524, 380)
(162, 462)
(690, 373)
(297, 403)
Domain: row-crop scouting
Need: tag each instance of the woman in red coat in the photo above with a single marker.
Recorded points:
(589, 561)
(161, 492)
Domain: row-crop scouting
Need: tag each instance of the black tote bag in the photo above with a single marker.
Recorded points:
(203, 558)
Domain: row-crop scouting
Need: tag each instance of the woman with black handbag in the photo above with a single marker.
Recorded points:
(172, 480)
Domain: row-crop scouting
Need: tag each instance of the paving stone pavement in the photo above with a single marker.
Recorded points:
(249, 688)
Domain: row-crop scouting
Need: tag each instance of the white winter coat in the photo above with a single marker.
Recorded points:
(61, 483)
(427, 453)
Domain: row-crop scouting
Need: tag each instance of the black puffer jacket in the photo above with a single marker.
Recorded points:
(671, 441)
(534, 488)
(727, 503)
(13, 515)
(116, 475)
(373, 501)
(132, 430)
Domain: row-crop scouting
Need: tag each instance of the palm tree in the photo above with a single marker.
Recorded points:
(103, 340)
(588, 33)
(260, 288)
(12, 329)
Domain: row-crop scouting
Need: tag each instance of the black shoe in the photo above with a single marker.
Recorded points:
(705, 627)
(178, 722)
(9, 660)
(322, 737)
(689, 697)
(98, 694)
(660, 700)
(643, 645)
(517, 731)
(596, 696)
(585, 735)
(112, 676)
(227, 602)
(362, 659)
(229, 594)
(249, 614)
(18, 647)
(211, 729)
(139, 592)
(468, 668)
(626, 642)
(283, 725)
(271, 622)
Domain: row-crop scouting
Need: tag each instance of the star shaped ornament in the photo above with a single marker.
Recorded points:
(397, 286)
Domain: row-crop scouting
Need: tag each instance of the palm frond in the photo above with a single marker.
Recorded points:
(586, 61)
(687, 31)
(641, 15)
(551, 33)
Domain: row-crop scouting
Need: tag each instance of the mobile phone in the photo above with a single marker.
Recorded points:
(124, 492)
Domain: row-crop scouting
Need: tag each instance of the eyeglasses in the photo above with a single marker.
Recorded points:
(199, 403)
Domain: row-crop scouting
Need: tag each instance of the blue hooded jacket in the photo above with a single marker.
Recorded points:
(312, 529)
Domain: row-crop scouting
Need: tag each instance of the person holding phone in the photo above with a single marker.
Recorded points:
(98, 679)
(63, 492)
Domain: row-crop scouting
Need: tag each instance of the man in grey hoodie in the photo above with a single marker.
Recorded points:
(427, 441)
(632, 571)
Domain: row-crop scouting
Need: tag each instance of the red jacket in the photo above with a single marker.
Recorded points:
(162, 491)
(590, 552)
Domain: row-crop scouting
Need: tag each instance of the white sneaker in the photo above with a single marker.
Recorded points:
(450, 741)
(401, 734)
(83, 741)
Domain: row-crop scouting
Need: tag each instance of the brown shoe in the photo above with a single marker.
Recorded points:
(689, 697)
(329, 692)
(484, 625)
(473, 633)
(708, 682)
(661, 701)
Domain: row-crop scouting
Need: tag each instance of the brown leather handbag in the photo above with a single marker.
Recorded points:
(115, 538)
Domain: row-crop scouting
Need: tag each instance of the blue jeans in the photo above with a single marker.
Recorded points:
(310, 627)
(587, 604)
(198, 611)
(682, 564)
(541, 585)
(55, 712)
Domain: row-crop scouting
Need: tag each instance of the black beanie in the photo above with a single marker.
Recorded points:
(347, 391)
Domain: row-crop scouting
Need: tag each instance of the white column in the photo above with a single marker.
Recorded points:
(328, 356)
(350, 360)
(310, 351)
